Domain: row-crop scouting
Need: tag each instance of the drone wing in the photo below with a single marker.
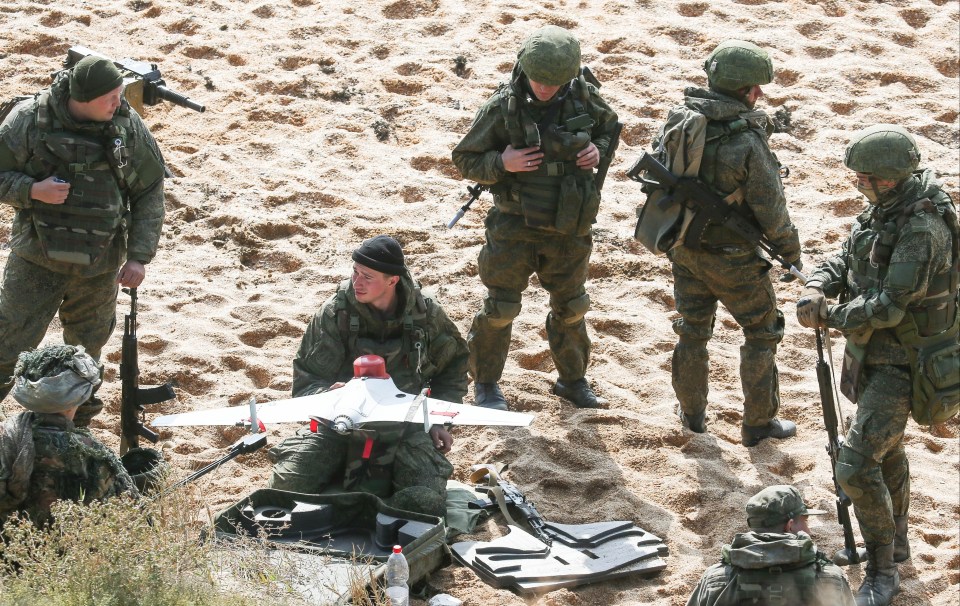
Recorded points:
(363, 400)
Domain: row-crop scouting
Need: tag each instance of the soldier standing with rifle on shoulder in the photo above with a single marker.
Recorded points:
(713, 263)
(897, 279)
(536, 142)
(86, 179)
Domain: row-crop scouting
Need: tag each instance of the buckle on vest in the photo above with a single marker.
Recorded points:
(554, 169)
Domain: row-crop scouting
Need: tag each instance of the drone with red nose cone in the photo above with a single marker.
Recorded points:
(369, 397)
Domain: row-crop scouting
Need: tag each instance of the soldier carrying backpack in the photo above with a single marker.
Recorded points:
(776, 562)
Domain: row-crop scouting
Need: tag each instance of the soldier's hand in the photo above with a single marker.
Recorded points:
(131, 274)
(812, 308)
(51, 190)
(442, 440)
(589, 156)
(521, 160)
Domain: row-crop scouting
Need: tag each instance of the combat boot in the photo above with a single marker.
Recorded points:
(901, 546)
(776, 428)
(578, 392)
(882, 579)
(488, 395)
(695, 423)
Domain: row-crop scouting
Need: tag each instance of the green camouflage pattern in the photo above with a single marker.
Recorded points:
(729, 271)
(886, 151)
(23, 160)
(788, 564)
(735, 64)
(32, 295)
(512, 253)
(550, 56)
(515, 250)
(323, 357)
(404, 468)
(70, 464)
(873, 466)
(872, 305)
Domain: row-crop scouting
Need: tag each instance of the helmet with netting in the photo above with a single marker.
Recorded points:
(886, 151)
(736, 64)
(550, 56)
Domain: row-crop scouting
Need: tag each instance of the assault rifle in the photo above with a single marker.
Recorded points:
(709, 208)
(245, 445)
(133, 397)
(475, 192)
(607, 158)
(512, 496)
(144, 83)
(849, 554)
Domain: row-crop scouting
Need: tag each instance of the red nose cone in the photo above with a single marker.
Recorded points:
(370, 366)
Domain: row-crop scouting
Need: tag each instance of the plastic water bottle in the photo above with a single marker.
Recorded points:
(398, 571)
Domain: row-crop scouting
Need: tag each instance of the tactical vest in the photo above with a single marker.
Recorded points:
(718, 132)
(100, 171)
(558, 196)
(930, 329)
(406, 357)
(778, 585)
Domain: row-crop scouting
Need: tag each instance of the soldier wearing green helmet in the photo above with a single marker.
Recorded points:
(536, 142)
(723, 267)
(896, 278)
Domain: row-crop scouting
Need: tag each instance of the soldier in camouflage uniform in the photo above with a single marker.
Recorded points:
(86, 179)
(44, 457)
(738, 164)
(536, 142)
(380, 311)
(896, 278)
(775, 562)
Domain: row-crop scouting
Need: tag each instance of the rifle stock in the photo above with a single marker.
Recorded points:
(708, 207)
(849, 554)
(133, 398)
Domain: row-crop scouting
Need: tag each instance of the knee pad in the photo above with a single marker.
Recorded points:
(850, 466)
(693, 333)
(768, 336)
(500, 314)
(573, 311)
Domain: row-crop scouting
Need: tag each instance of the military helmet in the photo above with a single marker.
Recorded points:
(736, 64)
(886, 151)
(550, 56)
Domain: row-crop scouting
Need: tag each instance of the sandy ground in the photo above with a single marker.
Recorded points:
(331, 121)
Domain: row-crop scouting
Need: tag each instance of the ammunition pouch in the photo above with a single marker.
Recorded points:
(851, 375)
(934, 371)
(568, 205)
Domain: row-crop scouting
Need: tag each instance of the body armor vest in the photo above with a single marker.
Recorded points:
(405, 356)
(100, 173)
(558, 196)
(868, 261)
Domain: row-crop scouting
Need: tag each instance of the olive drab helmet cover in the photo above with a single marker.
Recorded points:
(735, 64)
(886, 151)
(550, 56)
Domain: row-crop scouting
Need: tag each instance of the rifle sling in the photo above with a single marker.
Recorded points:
(491, 473)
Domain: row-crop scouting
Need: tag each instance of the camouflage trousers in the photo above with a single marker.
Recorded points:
(741, 282)
(513, 252)
(410, 475)
(873, 467)
(29, 299)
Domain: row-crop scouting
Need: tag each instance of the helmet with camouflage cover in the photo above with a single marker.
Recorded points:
(885, 151)
(550, 56)
(735, 64)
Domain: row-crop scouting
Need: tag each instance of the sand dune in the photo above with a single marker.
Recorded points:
(331, 121)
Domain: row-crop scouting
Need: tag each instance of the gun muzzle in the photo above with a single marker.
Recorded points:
(162, 92)
(456, 218)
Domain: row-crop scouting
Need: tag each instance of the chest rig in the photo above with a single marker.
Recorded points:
(558, 196)
(100, 172)
(403, 350)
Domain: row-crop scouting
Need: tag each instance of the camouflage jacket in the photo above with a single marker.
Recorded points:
(21, 144)
(744, 161)
(873, 305)
(758, 566)
(68, 463)
(478, 153)
(430, 351)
